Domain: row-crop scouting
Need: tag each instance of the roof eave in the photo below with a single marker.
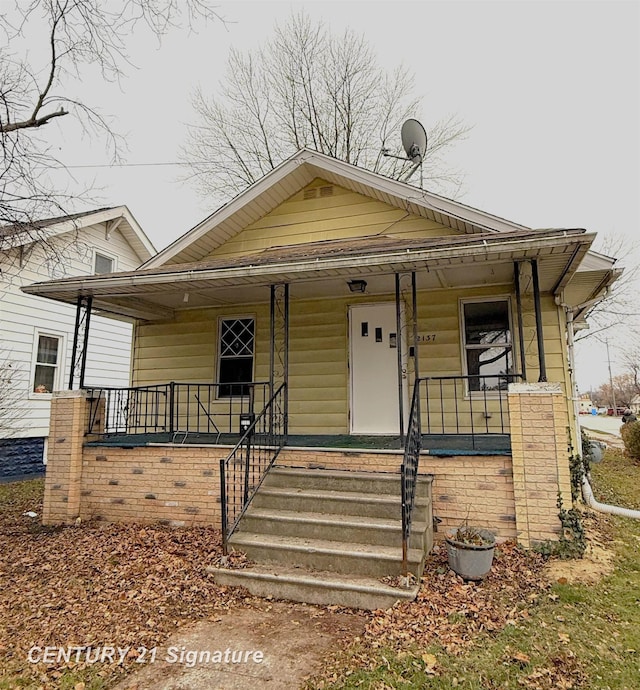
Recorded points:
(102, 287)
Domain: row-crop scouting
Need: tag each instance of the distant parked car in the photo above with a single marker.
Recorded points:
(602, 410)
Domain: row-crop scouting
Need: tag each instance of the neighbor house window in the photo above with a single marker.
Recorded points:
(47, 362)
(486, 332)
(103, 264)
(236, 348)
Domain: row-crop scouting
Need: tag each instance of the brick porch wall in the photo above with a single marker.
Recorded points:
(540, 449)
(179, 485)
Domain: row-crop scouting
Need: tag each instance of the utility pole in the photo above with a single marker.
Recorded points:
(613, 393)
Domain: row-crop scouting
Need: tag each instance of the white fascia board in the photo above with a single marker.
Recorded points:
(594, 261)
(408, 192)
(81, 222)
(148, 250)
(424, 256)
(223, 213)
(323, 163)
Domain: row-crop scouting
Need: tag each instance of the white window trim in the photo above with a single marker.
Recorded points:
(60, 368)
(107, 255)
(234, 317)
(463, 345)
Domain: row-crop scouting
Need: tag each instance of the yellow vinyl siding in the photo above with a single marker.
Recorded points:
(343, 215)
(186, 350)
(318, 372)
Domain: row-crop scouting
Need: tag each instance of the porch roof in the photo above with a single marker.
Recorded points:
(321, 269)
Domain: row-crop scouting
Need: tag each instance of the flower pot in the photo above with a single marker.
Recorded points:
(472, 561)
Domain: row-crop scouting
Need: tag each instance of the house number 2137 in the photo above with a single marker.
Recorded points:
(427, 338)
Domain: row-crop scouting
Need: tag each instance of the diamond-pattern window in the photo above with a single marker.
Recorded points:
(237, 341)
(236, 338)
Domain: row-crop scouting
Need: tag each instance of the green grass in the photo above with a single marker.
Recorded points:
(575, 636)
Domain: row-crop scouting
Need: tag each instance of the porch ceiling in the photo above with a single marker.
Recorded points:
(323, 269)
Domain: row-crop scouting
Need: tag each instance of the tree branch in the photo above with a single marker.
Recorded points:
(32, 122)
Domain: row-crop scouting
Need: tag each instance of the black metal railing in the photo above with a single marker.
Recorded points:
(244, 469)
(409, 472)
(465, 405)
(174, 411)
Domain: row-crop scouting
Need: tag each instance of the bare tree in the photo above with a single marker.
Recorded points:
(625, 389)
(72, 39)
(307, 88)
(618, 314)
(631, 359)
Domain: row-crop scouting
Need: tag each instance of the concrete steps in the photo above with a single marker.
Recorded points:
(330, 537)
(323, 588)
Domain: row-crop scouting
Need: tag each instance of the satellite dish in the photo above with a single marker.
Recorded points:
(414, 140)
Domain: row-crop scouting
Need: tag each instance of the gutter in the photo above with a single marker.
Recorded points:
(298, 267)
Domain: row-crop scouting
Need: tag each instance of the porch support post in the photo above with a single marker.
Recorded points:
(80, 341)
(286, 359)
(279, 336)
(538, 310)
(399, 351)
(523, 363)
(414, 309)
(272, 340)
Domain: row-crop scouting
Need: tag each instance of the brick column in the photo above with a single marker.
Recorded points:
(539, 424)
(64, 458)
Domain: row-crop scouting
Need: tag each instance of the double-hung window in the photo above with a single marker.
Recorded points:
(487, 344)
(45, 377)
(236, 347)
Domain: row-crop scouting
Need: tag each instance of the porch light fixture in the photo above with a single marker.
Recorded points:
(357, 285)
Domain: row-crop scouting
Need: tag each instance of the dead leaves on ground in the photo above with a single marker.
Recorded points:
(98, 585)
(451, 614)
(450, 611)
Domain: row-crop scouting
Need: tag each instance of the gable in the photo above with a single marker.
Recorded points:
(322, 211)
(298, 172)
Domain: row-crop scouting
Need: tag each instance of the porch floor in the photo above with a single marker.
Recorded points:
(434, 444)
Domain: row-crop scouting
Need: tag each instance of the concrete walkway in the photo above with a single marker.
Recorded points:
(275, 647)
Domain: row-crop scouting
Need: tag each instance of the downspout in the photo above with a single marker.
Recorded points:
(589, 499)
(587, 492)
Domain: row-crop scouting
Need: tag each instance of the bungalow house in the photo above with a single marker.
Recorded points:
(36, 335)
(328, 367)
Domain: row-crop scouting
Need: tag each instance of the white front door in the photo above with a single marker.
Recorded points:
(374, 369)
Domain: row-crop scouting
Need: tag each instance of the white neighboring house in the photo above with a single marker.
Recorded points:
(36, 336)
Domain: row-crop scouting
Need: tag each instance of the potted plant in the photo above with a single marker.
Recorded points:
(470, 551)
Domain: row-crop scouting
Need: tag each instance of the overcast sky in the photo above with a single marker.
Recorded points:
(551, 90)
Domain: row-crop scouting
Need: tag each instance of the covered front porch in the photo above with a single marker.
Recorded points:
(395, 357)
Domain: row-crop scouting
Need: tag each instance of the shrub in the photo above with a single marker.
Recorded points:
(630, 433)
